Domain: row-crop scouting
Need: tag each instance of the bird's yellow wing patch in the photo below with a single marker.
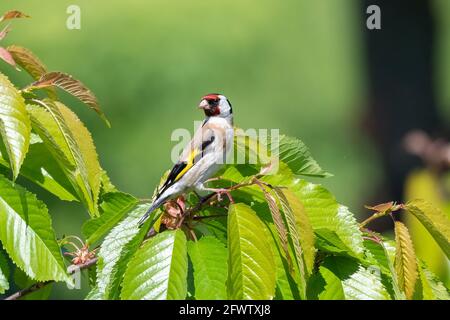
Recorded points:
(190, 163)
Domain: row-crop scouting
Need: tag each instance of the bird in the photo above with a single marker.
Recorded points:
(203, 156)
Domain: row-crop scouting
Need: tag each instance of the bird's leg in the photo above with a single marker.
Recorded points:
(203, 199)
(221, 191)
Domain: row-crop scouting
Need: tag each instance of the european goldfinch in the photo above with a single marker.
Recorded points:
(203, 156)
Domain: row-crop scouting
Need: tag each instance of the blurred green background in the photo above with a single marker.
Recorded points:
(294, 65)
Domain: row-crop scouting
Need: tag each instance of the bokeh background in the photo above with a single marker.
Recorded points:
(310, 68)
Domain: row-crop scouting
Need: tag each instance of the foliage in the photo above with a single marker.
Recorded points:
(283, 237)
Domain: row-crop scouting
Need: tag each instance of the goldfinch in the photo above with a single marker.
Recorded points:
(204, 155)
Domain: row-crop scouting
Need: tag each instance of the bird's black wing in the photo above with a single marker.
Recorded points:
(171, 178)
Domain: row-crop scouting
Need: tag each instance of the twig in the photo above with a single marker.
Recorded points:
(196, 218)
(371, 218)
(39, 285)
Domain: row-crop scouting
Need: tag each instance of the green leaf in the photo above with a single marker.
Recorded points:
(293, 214)
(209, 259)
(333, 289)
(22, 281)
(72, 86)
(377, 255)
(405, 260)
(114, 207)
(286, 288)
(40, 168)
(27, 234)
(71, 145)
(296, 155)
(158, 270)
(116, 251)
(4, 272)
(328, 241)
(86, 145)
(294, 208)
(15, 125)
(382, 256)
(277, 219)
(356, 282)
(107, 186)
(251, 263)
(324, 212)
(432, 287)
(94, 294)
(434, 220)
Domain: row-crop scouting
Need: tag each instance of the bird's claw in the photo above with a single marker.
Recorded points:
(220, 192)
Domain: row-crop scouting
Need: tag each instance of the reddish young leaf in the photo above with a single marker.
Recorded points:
(6, 56)
(27, 60)
(70, 85)
(13, 14)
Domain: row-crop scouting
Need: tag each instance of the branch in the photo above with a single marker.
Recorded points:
(39, 285)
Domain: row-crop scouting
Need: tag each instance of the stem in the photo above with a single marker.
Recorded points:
(210, 216)
(39, 285)
(372, 218)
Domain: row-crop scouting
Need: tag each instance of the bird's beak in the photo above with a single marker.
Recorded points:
(203, 104)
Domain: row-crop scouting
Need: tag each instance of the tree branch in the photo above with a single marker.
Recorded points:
(39, 285)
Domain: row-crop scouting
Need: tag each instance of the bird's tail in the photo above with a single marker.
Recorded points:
(155, 205)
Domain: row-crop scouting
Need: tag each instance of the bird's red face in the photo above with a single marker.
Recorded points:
(210, 104)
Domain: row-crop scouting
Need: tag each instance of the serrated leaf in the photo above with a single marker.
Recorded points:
(27, 234)
(94, 294)
(107, 186)
(251, 262)
(324, 212)
(405, 260)
(22, 281)
(432, 287)
(332, 289)
(69, 84)
(304, 229)
(279, 224)
(13, 14)
(297, 156)
(381, 255)
(376, 254)
(40, 168)
(4, 272)
(71, 145)
(117, 249)
(292, 218)
(209, 260)
(158, 270)
(15, 125)
(87, 148)
(28, 61)
(434, 220)
(286, 288)
(356, 281)
(114, 207)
